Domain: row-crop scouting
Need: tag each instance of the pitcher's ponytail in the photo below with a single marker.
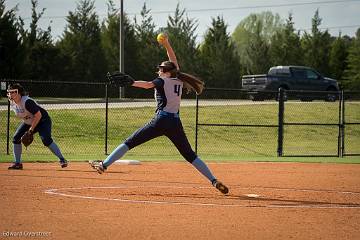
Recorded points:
(191, 83)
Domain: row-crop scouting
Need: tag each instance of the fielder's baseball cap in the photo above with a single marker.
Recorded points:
(167, 66)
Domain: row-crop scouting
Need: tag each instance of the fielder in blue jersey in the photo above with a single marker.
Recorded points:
(168, 87)
(34, 119)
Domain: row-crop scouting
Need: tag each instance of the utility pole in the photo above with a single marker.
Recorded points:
(121, 47)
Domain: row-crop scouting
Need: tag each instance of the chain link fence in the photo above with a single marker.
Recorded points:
(90, 120)
(351, 124)
(312, 126)
(77, 120)
(240, 126)
(288, 123)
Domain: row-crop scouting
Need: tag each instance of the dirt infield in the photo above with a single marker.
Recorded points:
(172, 201)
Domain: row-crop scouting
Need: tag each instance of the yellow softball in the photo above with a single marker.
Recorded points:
(160, 37)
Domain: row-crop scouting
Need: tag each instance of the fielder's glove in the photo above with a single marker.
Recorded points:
(27, 138)
(120, 79)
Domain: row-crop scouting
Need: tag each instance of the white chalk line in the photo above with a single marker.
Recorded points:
(329, 206)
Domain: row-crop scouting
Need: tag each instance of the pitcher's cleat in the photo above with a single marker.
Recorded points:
(220, 186)
(16, 166)
(63, 163)
(98, 166)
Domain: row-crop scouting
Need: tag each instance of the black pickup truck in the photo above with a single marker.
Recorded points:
(304, 83)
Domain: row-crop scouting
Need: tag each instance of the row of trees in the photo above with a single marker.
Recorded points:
(89, 48)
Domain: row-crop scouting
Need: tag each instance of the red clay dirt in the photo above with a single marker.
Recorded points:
(172, 201)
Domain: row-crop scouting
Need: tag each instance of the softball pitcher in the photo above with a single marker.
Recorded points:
(168, 90)
(34, 119)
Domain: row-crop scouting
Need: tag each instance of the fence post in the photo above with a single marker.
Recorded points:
(280, 122)
(196, 122)
(106, 117)
(342, 124)
(8, 126)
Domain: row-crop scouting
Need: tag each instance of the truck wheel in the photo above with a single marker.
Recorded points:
(306, 99)
(331, 97)
(256, 98)
(285, 97)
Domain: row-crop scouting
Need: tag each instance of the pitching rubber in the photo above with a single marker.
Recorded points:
(128, 162)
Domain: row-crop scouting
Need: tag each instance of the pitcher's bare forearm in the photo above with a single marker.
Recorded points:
(143, 84)
(170, 52)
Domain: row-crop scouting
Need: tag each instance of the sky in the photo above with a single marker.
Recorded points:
(337, 15)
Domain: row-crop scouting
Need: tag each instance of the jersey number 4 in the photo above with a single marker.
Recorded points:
(177, 89)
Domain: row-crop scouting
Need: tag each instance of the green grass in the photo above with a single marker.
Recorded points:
(80, 133)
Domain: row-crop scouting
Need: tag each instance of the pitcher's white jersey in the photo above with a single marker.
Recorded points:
(168, 94)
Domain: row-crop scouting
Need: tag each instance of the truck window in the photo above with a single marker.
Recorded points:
(311, 74)
(299, 73)
(279, 72)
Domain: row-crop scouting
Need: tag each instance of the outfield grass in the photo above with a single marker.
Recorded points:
(80, 133)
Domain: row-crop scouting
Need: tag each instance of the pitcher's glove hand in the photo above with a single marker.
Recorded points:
(120, 79)
(27, 138)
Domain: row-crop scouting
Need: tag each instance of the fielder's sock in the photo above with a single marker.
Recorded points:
(203, 169)
(17, 152)
(55, 150)
(116, 154)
